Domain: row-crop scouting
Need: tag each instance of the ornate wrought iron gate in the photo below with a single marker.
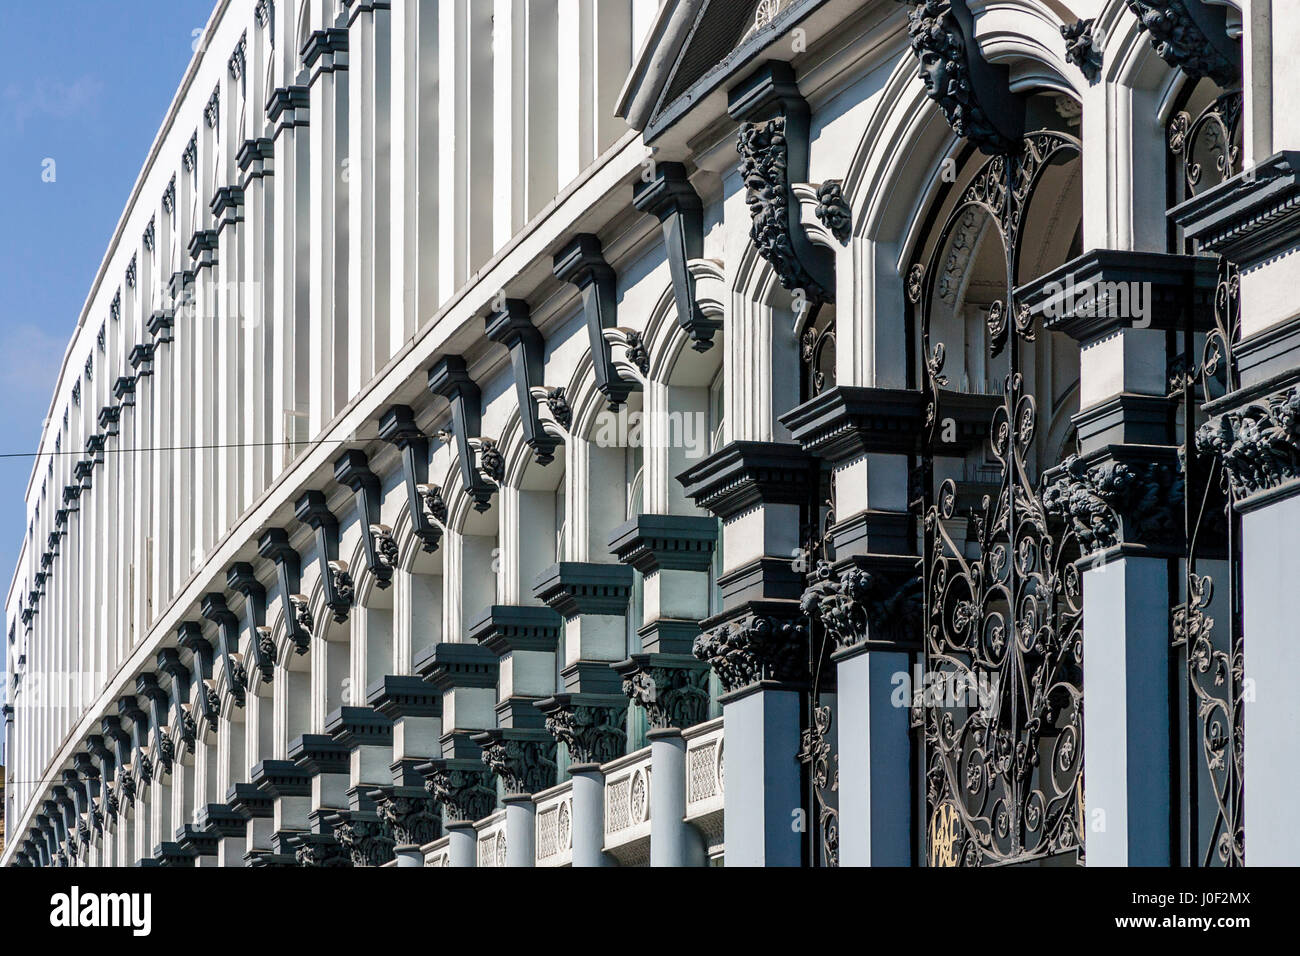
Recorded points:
(1210, 647)
(1000, 710)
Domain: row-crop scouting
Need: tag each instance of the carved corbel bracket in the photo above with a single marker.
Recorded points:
(124, 789)
(397, 427)
(670, 197)
(88, 772)
(449, 378)
(352, 469)
(273, 544)
(1191, 36)
(214, 608)
(147, 686)
(974, 95)
(182, 722)
(336, 579)
(129, 708)
(240, 577)
(582, 264)
(107, 761)
(773, 145)
(512, 327)
(189, 635)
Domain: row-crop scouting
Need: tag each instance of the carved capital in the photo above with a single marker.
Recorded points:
(368, 842)
(866, 600)
(412, 818)
(462, 787)
(525, 761)
(673, 690)
(592, 726)
(1258, 443)
(1107, 501)
(755, 647)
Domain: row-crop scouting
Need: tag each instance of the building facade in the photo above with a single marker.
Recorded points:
(489, 413)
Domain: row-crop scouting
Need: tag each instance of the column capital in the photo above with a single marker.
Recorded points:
(462, 786)
(592, 726)
(523, 759)
(673, 688)
(762, 642)
(866, 602)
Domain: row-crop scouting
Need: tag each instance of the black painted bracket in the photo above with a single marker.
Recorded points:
(397, 427)
(274, 545)
(240, 577)
(147, 686)
(129, 708)
(512, 326)
(671, 198)
(478, 457)
(169, 662)
(312, 510)
(353, 469)
(582, 263)
(215, 610)
(189, 635)
(774, 144)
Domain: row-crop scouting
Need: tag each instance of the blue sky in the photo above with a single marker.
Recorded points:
(86, 84)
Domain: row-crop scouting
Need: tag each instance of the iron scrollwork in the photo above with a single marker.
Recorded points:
(1001, 708)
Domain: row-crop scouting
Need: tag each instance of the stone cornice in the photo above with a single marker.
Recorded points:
(355, 727)
(503, 629)
(449, 666)
(574, 588)
(396, 697)
(1091, 297)
(745, 474)
(1249, 217)
(319, 754)
(652, 543)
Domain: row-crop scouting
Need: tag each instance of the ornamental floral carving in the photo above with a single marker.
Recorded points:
(1259, 444)
(833, 210)
(412, 820)
(302, 615)
(594, 733)
(753, 649)
(524, 766)
(344, 590)
(385, 547)
(558, 403)
(857, 604)
(322, 853)
(1093, 500)
(672, 696)
(1080, 49)
(491, 460)
(432, 504)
